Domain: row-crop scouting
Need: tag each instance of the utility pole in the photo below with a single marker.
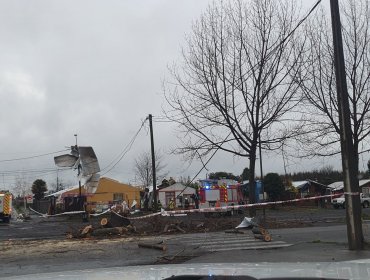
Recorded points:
(153, 165)
(351, 187)
(79, 179)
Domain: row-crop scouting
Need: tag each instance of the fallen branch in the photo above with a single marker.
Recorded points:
(162, 247)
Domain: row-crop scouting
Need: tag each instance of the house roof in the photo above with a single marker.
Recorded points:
(178, 187)
(59, 193)
(299, 184)
(337, 186)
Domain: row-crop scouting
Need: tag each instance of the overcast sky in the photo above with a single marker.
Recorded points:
(95, 68)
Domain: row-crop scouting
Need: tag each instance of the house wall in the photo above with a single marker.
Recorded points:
(175, 190)
(108, 192)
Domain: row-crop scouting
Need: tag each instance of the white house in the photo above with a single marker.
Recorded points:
(339, 186)
(178, 192)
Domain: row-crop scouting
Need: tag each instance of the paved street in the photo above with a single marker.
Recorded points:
(39, 245)
(221, 241)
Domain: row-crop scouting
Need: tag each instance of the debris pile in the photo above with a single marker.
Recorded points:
(107, 227)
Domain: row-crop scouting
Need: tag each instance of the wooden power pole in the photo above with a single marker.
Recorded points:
(351, 186)
(153, 165)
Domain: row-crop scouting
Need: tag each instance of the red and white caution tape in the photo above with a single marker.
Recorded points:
(102, 213)
(237, 207)
(55, 215)
(201, 210)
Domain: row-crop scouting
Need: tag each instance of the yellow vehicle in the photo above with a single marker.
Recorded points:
(5, 206)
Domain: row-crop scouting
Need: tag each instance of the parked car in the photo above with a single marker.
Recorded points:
(341, 201)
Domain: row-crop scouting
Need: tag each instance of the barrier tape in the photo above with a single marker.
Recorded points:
(55, 215)
(237, 207)
(201, 210)
(352, 193)
(138, 218)
(102, 213)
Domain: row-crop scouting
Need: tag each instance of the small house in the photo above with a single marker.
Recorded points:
(178, 192)
(108, 193)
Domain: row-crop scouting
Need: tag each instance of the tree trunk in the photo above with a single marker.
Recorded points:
(252, 167)
(357, 156)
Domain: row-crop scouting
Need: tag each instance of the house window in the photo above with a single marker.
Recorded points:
(118, 197)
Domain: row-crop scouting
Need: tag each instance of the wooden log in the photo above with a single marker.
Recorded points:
(259, 230)
(86, 230)
(161, 247)
(267, 238)
(264, 237)
(105, 223)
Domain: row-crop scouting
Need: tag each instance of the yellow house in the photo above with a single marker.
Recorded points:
(108, 193)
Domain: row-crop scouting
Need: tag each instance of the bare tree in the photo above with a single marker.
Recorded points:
(318, 83)
(237, 81)
(22, 186)
(143, 168)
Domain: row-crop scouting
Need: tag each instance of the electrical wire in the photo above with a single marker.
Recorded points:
(124, 151)
(32, 157)
(205, 164)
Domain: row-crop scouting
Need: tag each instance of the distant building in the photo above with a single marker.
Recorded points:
(108, 193)
(338, 187)
(178, 192)
(310, 188)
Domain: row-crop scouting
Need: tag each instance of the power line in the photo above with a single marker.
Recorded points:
(124, 151)
(32, 157)
(205, 164)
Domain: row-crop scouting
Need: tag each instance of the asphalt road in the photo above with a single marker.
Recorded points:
(324, 240)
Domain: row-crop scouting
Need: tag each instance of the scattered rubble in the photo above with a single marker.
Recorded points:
(113, 225)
